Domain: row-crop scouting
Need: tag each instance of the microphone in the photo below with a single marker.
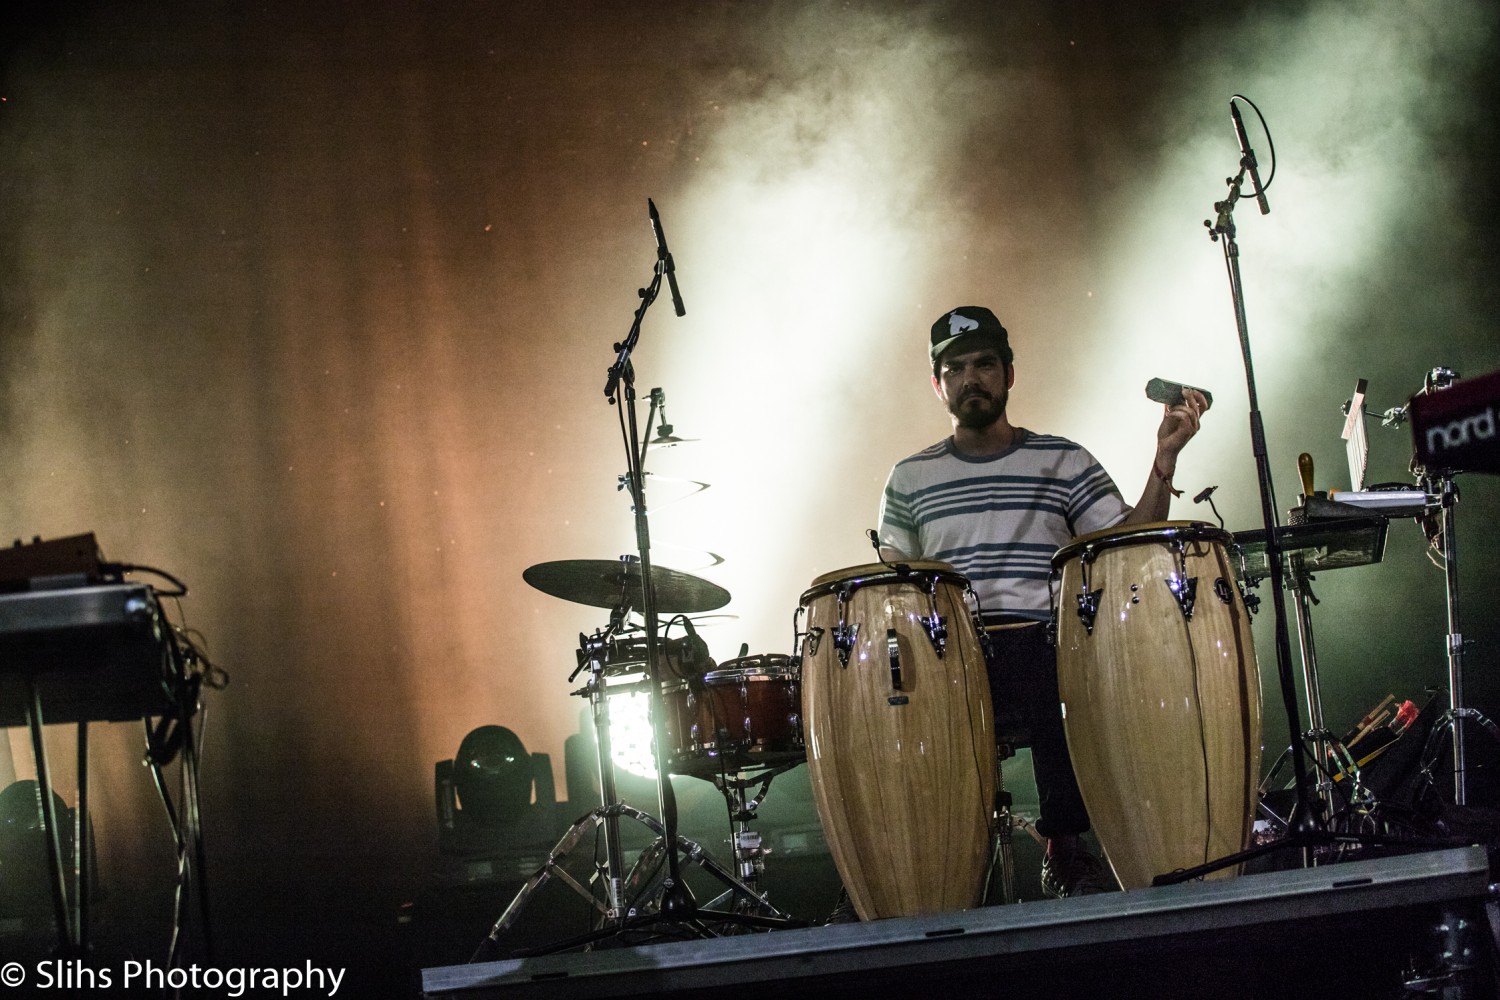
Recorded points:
(1247, 158)
(874, 537)
(1204, 494)
(665, 256)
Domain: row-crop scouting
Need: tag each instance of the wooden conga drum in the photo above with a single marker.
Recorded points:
(1160, 695)
(900, 738)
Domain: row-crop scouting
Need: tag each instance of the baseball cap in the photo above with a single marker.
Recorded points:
(968, 321)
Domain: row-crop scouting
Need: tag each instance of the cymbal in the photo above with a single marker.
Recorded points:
(608, 583)
(668, 441)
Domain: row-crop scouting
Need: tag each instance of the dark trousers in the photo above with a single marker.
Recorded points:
(1023, 687)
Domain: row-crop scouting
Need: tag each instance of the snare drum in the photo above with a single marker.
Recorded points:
(1161, 695)
(748, 713)
(900, 737)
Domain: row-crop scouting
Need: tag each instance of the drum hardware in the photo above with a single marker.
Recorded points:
(639, 887)
(1330, 543)
(1088, 599)
(844, 638)
(1185, 590)
(933, 623)
(936, 628)
(893, 654)
(1088, 608)
(749, 852)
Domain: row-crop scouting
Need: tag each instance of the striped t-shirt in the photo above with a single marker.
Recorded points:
(999, 519)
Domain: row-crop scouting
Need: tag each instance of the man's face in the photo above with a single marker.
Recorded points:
(974, 383)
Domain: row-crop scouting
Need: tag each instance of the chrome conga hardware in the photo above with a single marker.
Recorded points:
(1183, 587)
(1088, 600)
(844, 638)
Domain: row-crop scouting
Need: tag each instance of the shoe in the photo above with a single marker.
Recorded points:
(843, 911)
(1072, 871)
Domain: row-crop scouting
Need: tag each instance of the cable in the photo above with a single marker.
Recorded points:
(122, 568)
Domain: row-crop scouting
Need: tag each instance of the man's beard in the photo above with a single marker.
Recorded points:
(978, 410)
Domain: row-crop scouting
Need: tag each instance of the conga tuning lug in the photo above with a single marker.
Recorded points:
(844, 637)
(937, 632)
(1088, 608)
(1185, 589)
(814, 637)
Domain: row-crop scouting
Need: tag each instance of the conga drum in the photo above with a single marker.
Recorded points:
(1160, 695)
(900, 738)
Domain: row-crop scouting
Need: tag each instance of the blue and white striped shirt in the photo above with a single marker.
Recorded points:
(1000, 518)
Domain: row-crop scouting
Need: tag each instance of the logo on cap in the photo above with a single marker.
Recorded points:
(959, 323)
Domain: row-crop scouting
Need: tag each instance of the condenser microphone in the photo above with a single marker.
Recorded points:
(665, 256)
(1247, 159)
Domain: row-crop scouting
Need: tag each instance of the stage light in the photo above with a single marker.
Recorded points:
(493, 774)
(630, 733)
(24, 872)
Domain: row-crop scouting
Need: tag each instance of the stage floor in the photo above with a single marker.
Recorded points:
(1352, 929)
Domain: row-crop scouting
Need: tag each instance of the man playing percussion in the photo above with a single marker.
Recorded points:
(997, 501)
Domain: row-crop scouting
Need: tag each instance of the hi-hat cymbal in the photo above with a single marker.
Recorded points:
(610, 583)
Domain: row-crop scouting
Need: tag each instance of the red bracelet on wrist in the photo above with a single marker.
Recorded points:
(1165, 478)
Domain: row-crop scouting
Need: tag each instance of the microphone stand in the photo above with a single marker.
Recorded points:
(677, 898)
(1305, 823)
(677, 902)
